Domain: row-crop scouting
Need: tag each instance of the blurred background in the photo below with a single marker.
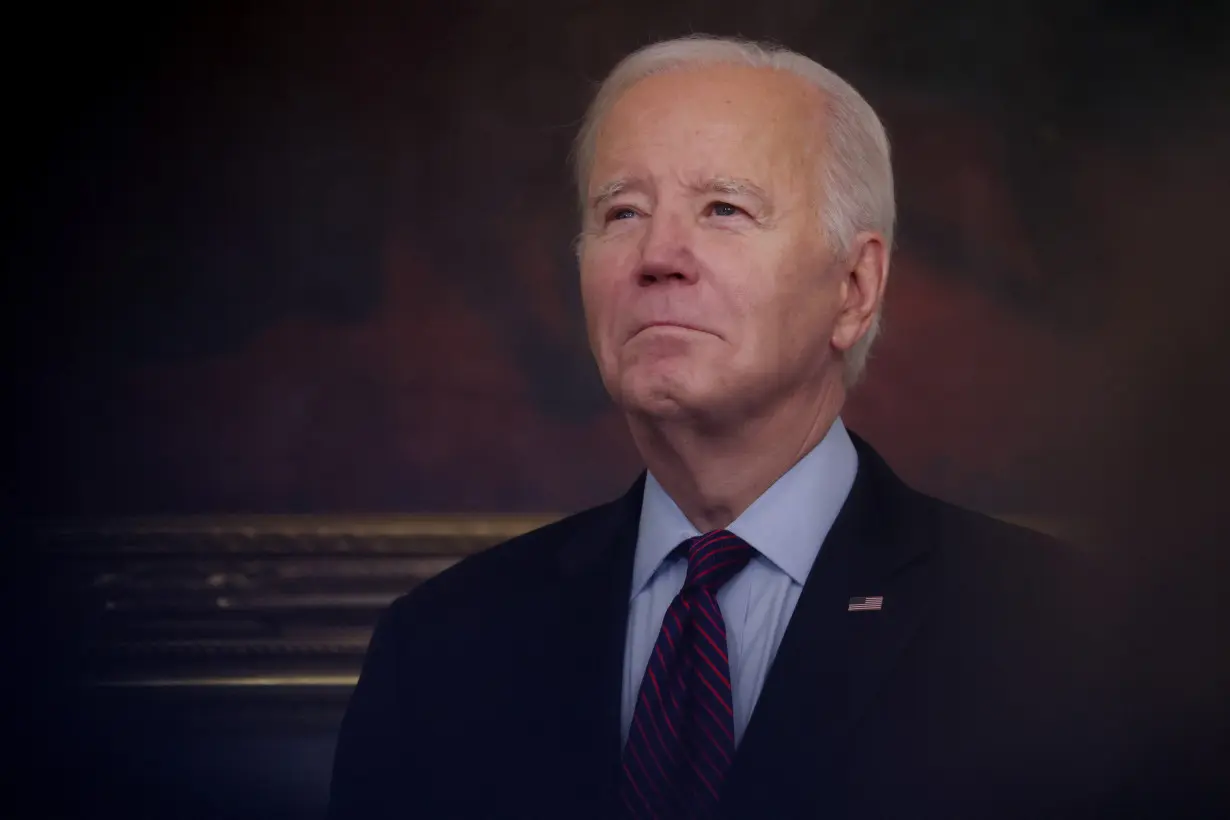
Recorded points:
(294, 323)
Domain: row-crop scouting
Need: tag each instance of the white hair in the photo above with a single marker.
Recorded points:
(858, 177)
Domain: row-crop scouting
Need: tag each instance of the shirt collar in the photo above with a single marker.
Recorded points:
(786, 524)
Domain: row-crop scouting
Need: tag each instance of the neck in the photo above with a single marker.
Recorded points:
(716, 474)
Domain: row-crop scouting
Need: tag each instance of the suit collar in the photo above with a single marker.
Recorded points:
(595, 561)
(832, 663)
(895, 541)
(607, 536)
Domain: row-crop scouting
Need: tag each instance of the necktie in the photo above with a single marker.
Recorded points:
(681, 742)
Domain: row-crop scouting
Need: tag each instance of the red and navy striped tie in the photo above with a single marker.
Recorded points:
(682, 739)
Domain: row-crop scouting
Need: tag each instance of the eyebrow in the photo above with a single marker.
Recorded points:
(727, 186)
(731, 186)
(614, 188)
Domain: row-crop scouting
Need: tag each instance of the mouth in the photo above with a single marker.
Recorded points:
(675, 325)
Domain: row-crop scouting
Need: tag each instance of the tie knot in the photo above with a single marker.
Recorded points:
(714, 558)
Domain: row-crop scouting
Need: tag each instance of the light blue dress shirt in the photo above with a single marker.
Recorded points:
(786, 525)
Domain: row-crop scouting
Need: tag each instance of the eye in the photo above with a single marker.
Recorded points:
(620, 213)
(724, 209)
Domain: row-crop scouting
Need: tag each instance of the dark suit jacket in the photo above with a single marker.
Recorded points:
(983, 688)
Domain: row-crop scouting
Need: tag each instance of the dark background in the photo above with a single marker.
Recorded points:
(304, 257)
(314, 258)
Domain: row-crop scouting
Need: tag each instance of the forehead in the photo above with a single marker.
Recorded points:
(712, 119)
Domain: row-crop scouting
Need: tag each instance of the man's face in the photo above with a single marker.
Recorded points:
(709, 289)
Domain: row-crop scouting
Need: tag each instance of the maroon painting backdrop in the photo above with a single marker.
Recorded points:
(289, 260)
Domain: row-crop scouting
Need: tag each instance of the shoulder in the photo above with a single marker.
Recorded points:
(514, 571)
(968, 529)
(1027, 593)
(957, 533)
(973, 539)
(983, 563)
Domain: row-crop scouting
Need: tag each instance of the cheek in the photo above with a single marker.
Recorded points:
(600, 291)
(605, 265)
(788, 308)
(808, 316)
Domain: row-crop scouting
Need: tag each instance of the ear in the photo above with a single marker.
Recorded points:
(862, 289)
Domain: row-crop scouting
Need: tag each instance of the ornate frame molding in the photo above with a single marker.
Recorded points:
(257, 603)
(248, 602)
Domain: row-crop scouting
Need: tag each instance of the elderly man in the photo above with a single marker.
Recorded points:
(768, 624)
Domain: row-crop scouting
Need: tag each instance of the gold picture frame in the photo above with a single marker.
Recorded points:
(257, 603)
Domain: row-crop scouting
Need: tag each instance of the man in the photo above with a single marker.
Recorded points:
(768, 624)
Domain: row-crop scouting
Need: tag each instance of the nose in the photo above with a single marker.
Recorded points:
(667, 254)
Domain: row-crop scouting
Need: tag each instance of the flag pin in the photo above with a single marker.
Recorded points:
(866, 604)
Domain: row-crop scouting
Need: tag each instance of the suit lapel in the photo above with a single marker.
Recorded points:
(832, 662)
(596, 576)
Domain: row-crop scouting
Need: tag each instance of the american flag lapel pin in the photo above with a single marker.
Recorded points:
(866, 604)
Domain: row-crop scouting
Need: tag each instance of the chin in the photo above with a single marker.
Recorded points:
(660, 394)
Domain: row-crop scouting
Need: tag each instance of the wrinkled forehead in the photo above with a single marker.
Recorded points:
(713, 120)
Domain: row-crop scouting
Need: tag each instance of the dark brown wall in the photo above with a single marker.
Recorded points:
(306, 257)
(278, 259)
